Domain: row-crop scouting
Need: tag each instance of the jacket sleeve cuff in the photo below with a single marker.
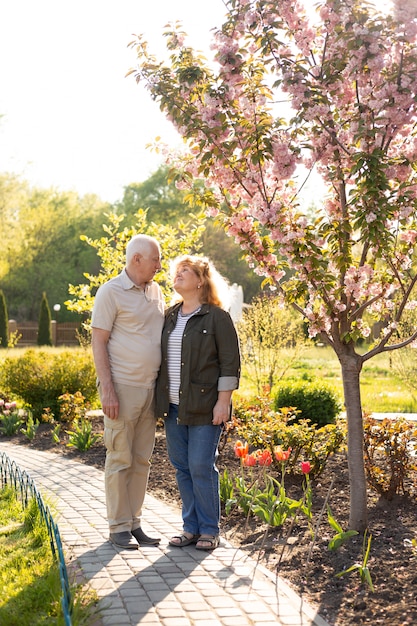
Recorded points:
(227, 383)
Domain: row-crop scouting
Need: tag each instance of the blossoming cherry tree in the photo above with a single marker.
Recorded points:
(291, 93)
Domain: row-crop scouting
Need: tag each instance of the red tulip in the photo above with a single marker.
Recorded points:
(264, 457)
(305, 467)
(249, 460)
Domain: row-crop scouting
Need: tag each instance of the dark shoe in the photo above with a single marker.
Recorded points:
(207, 542)
(144, 540)
(183, 540)
(124, 540)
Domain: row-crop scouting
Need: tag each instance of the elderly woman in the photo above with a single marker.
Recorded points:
(199, 371)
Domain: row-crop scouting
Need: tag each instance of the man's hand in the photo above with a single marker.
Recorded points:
(109, 402)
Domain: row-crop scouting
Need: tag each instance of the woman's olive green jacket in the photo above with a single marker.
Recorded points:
(210, 351)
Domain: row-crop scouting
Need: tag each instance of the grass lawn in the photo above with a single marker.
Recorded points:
(29, 576)
(382, 391)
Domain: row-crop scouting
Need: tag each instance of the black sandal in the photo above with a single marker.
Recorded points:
(212, 540)
(183, 540)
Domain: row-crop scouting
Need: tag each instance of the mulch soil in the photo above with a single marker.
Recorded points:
(307, 565)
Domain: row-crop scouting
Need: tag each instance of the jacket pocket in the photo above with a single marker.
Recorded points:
(201, 397)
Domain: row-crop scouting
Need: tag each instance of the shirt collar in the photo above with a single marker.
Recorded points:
(127, 283)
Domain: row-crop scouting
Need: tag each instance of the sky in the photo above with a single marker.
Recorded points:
(71, 119)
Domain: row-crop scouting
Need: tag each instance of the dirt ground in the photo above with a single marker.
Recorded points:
(309, 567)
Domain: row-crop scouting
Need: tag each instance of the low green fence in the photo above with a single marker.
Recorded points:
(11, 474)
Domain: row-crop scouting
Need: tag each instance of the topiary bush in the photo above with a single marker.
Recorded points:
(44, 327)
(40, 377)
(314, 401)
(4, 322)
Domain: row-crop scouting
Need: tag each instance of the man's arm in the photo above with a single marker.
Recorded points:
(109, 400)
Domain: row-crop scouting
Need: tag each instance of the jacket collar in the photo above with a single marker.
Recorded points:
(205, 308)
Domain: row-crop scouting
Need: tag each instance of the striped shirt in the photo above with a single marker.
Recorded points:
(174, 356)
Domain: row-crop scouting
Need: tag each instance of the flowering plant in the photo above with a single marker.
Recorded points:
(10, 418)
(7, 407)
(296, 94)
(269, 501)
(256, 422)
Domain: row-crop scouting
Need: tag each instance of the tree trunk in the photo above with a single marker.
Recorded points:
(351, 364)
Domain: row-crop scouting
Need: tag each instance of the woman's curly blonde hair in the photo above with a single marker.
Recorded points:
(214, 288)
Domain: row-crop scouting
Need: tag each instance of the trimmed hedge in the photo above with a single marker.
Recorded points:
(315, 401)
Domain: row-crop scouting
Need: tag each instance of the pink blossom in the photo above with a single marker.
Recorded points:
(351, 85)
(371, 217)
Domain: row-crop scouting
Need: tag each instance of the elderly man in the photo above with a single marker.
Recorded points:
(127, 320)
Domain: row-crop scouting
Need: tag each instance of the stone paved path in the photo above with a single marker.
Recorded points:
(160, 585)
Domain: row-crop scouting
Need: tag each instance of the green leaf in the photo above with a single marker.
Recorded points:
(339, 539)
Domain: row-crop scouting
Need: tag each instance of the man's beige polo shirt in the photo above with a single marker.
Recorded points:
(134, 318)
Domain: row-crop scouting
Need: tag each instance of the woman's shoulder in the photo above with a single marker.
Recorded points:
(217, 312)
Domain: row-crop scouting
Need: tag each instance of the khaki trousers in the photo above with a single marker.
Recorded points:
(129, 443)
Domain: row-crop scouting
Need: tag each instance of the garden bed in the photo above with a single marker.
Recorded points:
(309, 567)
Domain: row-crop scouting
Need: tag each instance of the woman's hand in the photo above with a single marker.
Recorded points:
(221, 411)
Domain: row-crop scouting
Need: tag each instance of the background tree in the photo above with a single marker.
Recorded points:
(4, 322)
(291, 94)
(404, 362)
(229, 260)
(158, 195)
(271, 340)
(42, 250)
(12, 194)
(166, 204)
(185, 238)
(44, 327)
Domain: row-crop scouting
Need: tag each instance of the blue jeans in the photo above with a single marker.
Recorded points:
(193, 451)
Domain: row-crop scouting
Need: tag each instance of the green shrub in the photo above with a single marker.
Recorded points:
(72, 406)
(314, 401)
(39, 378)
